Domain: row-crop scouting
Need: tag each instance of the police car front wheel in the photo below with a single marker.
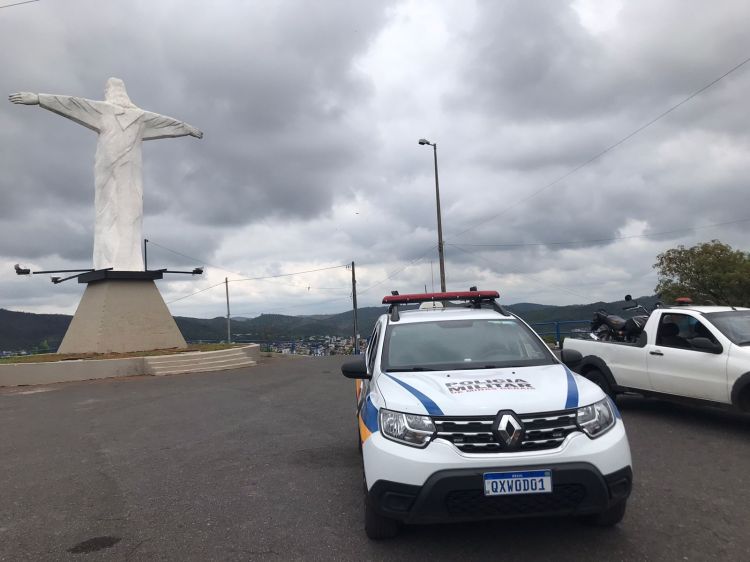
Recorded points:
(609, 517)
(378, 527)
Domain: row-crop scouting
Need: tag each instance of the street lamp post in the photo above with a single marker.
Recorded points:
(439, 217)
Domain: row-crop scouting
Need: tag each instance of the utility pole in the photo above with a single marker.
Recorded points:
(145, 254)
(441, 253)
(229, 325)
(439, 223)
(354, 304)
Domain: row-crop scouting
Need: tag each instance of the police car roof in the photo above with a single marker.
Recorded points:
(449, 313)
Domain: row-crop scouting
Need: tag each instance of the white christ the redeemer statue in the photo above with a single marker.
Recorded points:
(118, 173)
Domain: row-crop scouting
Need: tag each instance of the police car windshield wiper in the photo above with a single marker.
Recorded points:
(407, 369)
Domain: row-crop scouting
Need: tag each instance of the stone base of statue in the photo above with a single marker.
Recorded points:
(120, 312)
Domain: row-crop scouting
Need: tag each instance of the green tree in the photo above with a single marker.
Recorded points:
(710, 272)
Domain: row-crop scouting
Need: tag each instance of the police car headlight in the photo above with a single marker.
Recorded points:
(409, 429)
(596, 419)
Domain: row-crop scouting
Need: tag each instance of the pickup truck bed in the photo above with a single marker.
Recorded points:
(698, 353)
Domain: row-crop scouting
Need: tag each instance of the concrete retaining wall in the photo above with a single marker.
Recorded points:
(19, 374)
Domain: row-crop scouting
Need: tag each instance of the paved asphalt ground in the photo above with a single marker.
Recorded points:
(262, 464)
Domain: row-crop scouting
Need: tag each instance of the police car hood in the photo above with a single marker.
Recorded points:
(546, 388)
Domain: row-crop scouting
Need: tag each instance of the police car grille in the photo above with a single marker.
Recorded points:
(473, 434)
(564, 497)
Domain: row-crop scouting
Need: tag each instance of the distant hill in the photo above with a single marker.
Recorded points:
(22, 330)
(278, 326)
(542, 313)
(525, 307)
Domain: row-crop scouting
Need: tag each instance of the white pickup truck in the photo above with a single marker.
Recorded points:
(693, 352)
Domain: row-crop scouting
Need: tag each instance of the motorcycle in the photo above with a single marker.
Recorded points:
(610, 327)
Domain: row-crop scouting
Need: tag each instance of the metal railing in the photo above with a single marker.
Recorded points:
(561, 329)
(292, 346)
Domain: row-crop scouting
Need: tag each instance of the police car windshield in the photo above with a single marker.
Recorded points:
(462, 344)
(733, 324)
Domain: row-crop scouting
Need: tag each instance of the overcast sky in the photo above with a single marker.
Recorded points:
(312, 111)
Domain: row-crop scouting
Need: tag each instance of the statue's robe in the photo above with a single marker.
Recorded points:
(118, 172)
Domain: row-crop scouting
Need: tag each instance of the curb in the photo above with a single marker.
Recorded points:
(28, 374)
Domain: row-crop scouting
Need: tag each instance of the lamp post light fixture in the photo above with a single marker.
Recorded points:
(439, 217)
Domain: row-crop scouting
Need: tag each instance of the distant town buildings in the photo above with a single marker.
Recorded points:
(313, 345)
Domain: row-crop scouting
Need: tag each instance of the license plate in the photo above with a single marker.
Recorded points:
(523, 482)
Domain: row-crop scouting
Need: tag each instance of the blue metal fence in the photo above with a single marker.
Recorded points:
(281, 345)
(560, 328)
(557, 329)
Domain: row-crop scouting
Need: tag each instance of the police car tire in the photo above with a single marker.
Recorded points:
(598, 378)
(610, 517)
(378, 527)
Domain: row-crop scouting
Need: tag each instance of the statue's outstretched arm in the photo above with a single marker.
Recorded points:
(163, 127)
(82, 111)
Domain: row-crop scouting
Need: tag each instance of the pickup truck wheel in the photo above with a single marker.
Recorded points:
(378, 527)
(597, 377)
(608, 518)
(743, 400)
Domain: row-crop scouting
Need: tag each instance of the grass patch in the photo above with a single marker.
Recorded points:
(49, 357)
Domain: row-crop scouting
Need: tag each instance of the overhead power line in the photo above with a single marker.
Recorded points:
(192, 258)
(195, 293)
(594, 240)
(518, 202)
(376, 284)
(307, 305)
(568, 174)
(393, 274)
(18, 4)
(198, 260)
(545, 284)
(260, 279)
(290, 274)
(304, 285)
(607, 149)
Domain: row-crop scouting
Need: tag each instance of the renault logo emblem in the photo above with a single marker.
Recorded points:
(508, 429)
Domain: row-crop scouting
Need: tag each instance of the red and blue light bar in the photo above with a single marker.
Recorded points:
(432, 297)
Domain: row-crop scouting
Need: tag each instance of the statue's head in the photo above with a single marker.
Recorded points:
(115, 93)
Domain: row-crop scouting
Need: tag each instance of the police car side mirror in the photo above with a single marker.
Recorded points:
(571, 357)
(356, 369)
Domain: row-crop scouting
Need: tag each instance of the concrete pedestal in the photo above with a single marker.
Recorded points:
(121, 313)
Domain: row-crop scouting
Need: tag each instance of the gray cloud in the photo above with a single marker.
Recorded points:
(311, 112)
(536, 61)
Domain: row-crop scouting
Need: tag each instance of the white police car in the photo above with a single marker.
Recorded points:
(464, 414)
